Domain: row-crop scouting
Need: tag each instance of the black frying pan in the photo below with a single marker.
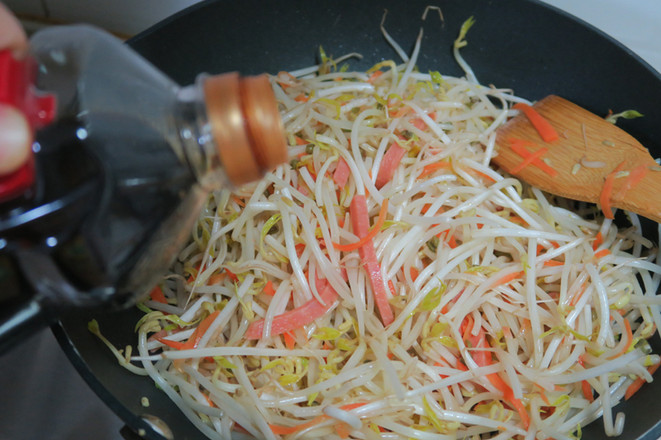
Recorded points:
(524, 45)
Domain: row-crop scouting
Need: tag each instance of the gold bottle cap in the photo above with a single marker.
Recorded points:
(246, 125)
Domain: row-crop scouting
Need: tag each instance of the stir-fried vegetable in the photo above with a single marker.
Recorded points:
(388, 283)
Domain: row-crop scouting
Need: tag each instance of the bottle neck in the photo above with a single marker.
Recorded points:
(195, 143)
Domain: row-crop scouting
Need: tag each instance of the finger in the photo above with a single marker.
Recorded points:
(11, 33)
(15, 139)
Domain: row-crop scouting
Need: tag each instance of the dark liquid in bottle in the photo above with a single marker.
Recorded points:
(101, 193)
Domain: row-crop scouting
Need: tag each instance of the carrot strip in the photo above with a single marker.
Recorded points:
(360, 222)
(428, 169)
(301, 98)
(518, 146)
(601, 253)
(553, 263)
(578, 296)
(543, 127)
(496, 380)
(341, 173)
(290, 341)
(587, 391)
(466, 327)
(607, 190)
(201, 329)
(508, 278)
(389, 164)
(269, 289)
(298, 317)
(374, 76)
(343, 430)
(483, 175)
(542, 393)
(177, 345)
(634, 178)
(381, 219)
(300, 141)
(195, 338)
(598, 240)
(286, 430)
(414, 273)
(529, 160)
(216, 278)
(638, 383)
(157, 295)
(232, 276)
(391, 286)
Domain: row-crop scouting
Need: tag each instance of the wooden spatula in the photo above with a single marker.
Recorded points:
(578, 164)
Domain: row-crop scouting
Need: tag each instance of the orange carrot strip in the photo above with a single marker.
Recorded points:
(389, 163)
(301, 98)
(601, 253)
(300, 141)
(200, 331)
(290, 341)
(483, 175)
(216, 278)
(633, 179)
(360, 222)
(529, 160)
(428, 169)
(607, 190)
(391, 286)
(381, 219)
(638, 383)
(587, 391)
(598, 240)
(519, 148)
(177, 345)
(298, 317)
(497, 381)
(508, 278)
(286, 430)
(343, 430)
(543, 127)
(341, 173)
(553, 263)
(157, 295)
(542, 393)
(269, 289)
(466, 327)
(374, 76)
(232, 276)
(195, 338)
(578, 296)
(414, 273)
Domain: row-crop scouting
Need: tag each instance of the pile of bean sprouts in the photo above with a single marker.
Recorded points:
(562, 304)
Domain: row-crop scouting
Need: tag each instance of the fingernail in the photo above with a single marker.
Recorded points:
(15, 139)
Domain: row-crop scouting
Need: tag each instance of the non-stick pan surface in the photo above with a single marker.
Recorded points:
(523, 45)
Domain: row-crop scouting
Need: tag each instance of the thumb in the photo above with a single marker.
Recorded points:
(15, 139)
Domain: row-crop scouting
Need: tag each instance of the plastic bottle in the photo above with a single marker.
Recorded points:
(122, 164)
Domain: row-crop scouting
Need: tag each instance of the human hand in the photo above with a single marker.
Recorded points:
(15, 134)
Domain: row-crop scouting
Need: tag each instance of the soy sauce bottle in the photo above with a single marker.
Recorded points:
(123, 161)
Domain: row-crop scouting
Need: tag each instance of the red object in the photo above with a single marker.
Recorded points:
(17, 89)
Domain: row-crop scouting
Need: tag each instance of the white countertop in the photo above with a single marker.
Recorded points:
(60, 402)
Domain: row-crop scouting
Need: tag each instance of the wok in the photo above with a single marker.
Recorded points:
(524, 45)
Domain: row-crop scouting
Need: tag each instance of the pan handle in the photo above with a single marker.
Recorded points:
(20, 321)
(50, 295)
